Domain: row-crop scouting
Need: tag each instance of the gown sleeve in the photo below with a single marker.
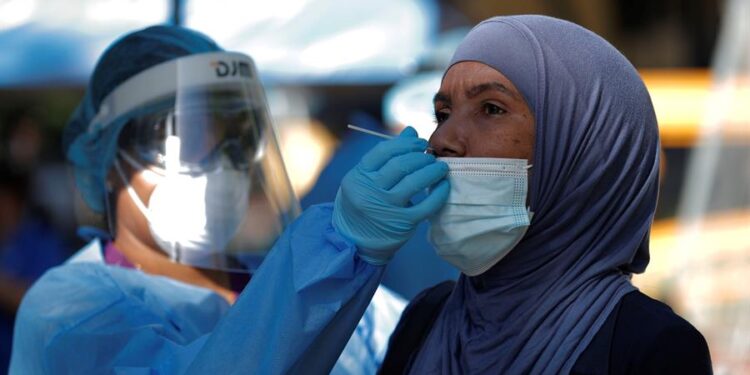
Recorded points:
(300, 309)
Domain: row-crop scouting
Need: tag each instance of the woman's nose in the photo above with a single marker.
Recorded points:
(446, 141)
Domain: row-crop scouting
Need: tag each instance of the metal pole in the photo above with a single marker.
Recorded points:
(177, 17)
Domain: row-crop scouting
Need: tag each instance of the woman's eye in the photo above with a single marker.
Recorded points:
(492, 109)
(441, 116)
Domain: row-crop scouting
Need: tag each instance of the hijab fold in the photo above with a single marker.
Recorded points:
(593, 193)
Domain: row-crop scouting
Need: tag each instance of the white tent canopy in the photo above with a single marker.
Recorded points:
(299, 41)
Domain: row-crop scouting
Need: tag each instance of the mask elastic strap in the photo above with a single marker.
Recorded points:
(528, 208)
(131, 160)
(137, 165)
(131, 192)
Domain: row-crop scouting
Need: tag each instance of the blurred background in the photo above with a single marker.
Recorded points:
(376, 64)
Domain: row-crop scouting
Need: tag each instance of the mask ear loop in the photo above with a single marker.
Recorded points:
(137, 200)
(112, 228)
(528, 208)
(131, 192)
(137, 165)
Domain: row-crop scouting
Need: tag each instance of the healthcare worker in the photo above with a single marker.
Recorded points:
(173, 144)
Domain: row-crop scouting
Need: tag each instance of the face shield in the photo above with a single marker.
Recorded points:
(200, 127)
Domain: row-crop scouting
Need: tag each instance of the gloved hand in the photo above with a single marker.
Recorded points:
(372, 207)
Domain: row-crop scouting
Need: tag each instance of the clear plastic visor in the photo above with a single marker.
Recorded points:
(221, 195)
(206, 130)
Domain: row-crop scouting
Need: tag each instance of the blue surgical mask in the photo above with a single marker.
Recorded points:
(486, 214)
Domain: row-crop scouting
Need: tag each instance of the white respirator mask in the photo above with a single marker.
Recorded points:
(192, 213)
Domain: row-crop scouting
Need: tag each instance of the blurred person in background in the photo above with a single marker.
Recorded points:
(29, 246)
(173, 144)
(25, 145)
(22, 141)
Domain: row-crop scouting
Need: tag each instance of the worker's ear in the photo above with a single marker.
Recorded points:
(113, 186)
(113, 181)
(85, 216)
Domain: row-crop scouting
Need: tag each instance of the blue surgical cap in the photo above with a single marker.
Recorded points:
(92, 153)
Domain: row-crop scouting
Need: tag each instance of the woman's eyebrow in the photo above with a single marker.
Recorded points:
(495, 86)
(440, 97)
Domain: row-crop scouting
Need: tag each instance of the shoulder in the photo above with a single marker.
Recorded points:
(68, 287)
(75, 305)
(62, 299)
(651, 320)
(72, 294)
(66, 295)
(651, 336)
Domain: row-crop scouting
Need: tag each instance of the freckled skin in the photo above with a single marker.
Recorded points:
(493, 123)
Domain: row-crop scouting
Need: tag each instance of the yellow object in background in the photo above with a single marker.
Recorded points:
(306, 146)
(681, 99)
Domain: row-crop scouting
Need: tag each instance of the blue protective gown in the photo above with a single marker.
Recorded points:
(89, 317)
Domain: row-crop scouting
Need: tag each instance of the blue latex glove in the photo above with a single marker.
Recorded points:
(373, 207)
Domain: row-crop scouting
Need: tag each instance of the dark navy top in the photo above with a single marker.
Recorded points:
(641, 336)
(644, 336)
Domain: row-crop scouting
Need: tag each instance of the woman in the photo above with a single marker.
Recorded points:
(561, 301)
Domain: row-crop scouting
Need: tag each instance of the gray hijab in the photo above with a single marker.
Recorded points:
(593, 193)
